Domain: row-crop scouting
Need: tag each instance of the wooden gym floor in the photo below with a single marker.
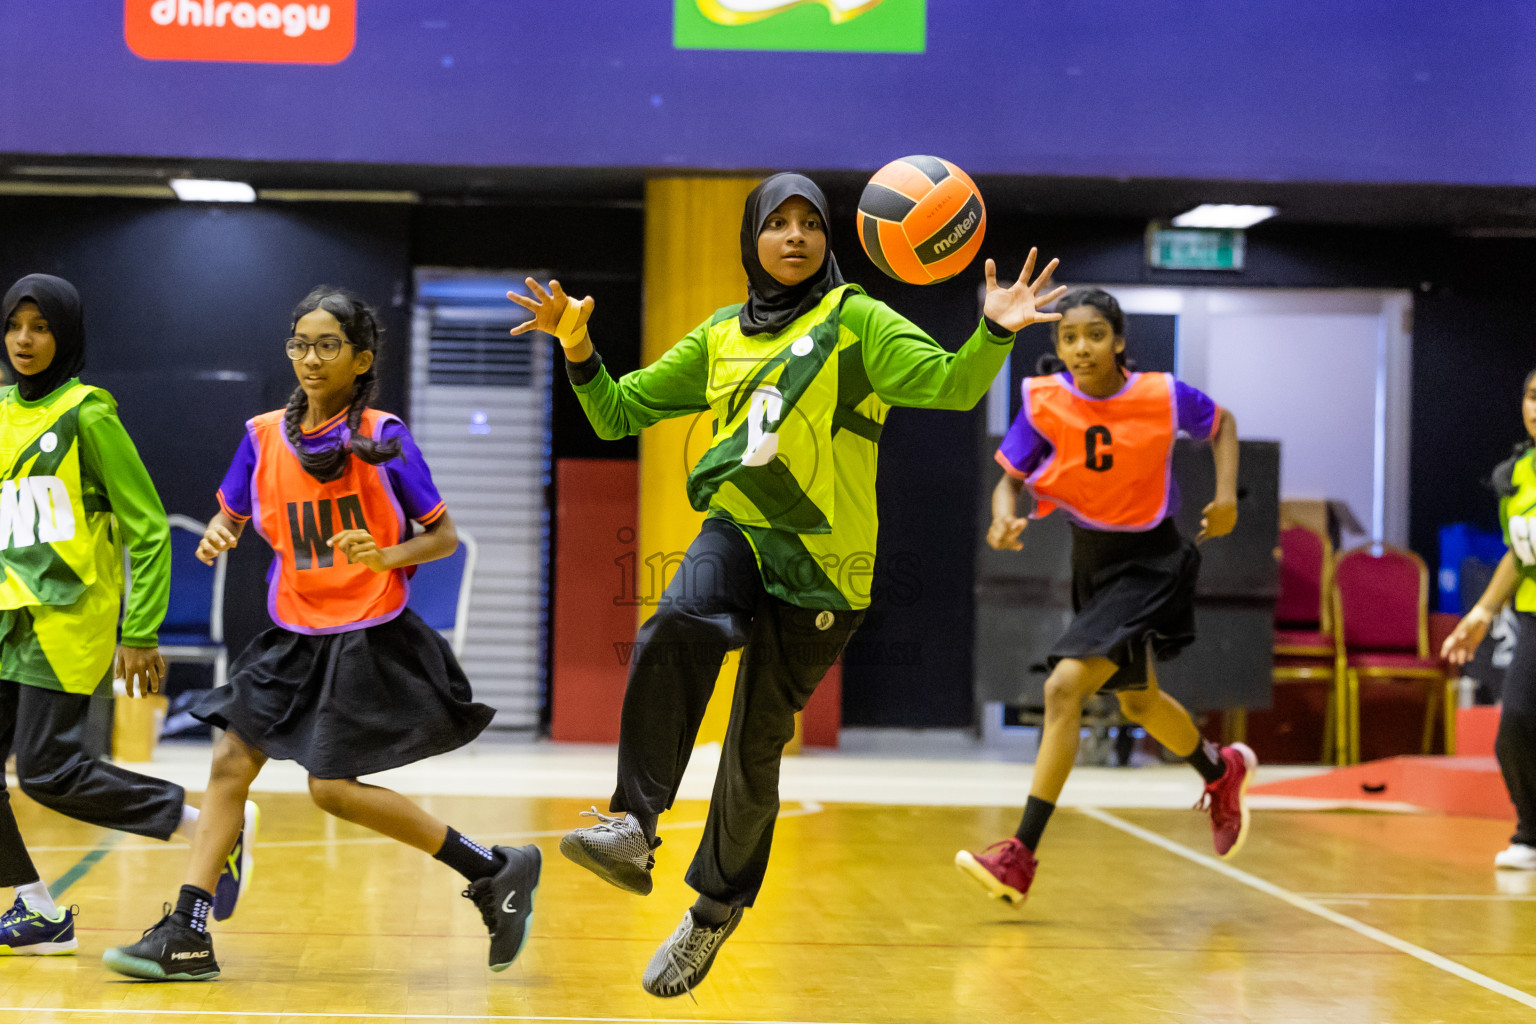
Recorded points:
(1337, 917)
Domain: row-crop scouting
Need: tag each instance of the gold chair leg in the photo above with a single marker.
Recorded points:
(1431, 705)
(1352, 678)
(1330, 716)
(1234, 723)
(1341, 720)
(1450, 717)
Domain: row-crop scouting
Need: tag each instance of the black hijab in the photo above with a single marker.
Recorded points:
(771, 306)
(59, 303)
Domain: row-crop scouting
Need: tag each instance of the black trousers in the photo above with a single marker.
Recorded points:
(47, 731)
(1516, 743)
(716, 603)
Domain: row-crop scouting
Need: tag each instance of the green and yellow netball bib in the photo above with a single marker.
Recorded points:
(51, 550)
(1517, 515)
(774, 399)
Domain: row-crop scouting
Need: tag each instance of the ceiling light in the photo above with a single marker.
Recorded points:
(1221, 215)
(203, 190)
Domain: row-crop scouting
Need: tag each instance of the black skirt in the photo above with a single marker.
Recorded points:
(348, 704)
(1134, 595)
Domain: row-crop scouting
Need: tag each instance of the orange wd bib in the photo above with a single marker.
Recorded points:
(312, 588)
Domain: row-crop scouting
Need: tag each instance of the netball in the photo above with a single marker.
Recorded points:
(921, 219)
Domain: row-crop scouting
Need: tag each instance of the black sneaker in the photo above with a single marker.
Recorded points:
(680, 963)
(505, 901)
(170, 951)
(236, 874)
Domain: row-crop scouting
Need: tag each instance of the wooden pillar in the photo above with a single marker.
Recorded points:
(692, 268)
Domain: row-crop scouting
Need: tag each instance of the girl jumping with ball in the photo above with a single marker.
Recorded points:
(798, 379)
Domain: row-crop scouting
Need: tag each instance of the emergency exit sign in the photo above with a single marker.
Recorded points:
(1194, 248)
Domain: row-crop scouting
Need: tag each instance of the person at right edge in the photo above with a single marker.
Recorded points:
(1515, 481)
(1097, 440)
(799, 379)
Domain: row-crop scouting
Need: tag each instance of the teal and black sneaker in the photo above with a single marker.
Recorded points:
(27, 932)
(170, 951)
(236, 875)
(505, 901)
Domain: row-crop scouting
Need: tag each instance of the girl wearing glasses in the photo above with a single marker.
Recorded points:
(351, 682)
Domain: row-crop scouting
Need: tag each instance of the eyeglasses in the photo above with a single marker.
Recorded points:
(325, 348)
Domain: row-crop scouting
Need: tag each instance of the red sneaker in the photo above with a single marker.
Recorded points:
(1004, 869)
(1226, 800)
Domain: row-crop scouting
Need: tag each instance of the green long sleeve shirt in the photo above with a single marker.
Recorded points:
(881, 360)
(113, 477)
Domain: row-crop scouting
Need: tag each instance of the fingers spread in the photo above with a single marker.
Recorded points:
(1029, 266)
(991, 275)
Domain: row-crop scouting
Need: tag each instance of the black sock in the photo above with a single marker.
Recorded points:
(1036, 813)
(192, 906)
(468, 857)
(1207, 761)
(711, 913)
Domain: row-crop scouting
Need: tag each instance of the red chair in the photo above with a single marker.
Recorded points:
(1381, 619)
(1306, 647)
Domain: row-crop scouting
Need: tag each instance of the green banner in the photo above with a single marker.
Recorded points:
(849, 26)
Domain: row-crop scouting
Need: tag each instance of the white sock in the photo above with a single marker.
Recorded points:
(188, 827)
(37, 897)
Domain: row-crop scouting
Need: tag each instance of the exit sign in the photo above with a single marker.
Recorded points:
(1194, 248)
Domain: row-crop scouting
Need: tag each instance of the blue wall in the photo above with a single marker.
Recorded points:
(1335, 90)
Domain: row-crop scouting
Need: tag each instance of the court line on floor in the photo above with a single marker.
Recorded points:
(807, 807)
(115, 1011)
(1313, 907)
(1371, 897)
(82, 867)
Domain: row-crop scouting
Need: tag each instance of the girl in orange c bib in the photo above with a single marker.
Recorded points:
(1096, 440)
(351, 682)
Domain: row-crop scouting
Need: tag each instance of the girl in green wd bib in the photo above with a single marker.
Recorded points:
(799, 379)
(1515, 578)
(73, 494)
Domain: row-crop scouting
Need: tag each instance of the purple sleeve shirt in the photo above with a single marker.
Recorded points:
(409, 477)
(1023, 449)
(1198, 415)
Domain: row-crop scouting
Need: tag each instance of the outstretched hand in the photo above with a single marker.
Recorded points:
(554, 312)
(1018, 306)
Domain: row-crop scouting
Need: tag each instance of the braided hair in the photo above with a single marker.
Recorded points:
(361, 325)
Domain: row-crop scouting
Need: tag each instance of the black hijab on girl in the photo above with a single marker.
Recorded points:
(59, 303)
(771, 306)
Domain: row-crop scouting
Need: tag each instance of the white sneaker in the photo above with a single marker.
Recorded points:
(1518, 857)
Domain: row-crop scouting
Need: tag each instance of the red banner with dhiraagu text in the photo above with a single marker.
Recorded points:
(222, 30)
